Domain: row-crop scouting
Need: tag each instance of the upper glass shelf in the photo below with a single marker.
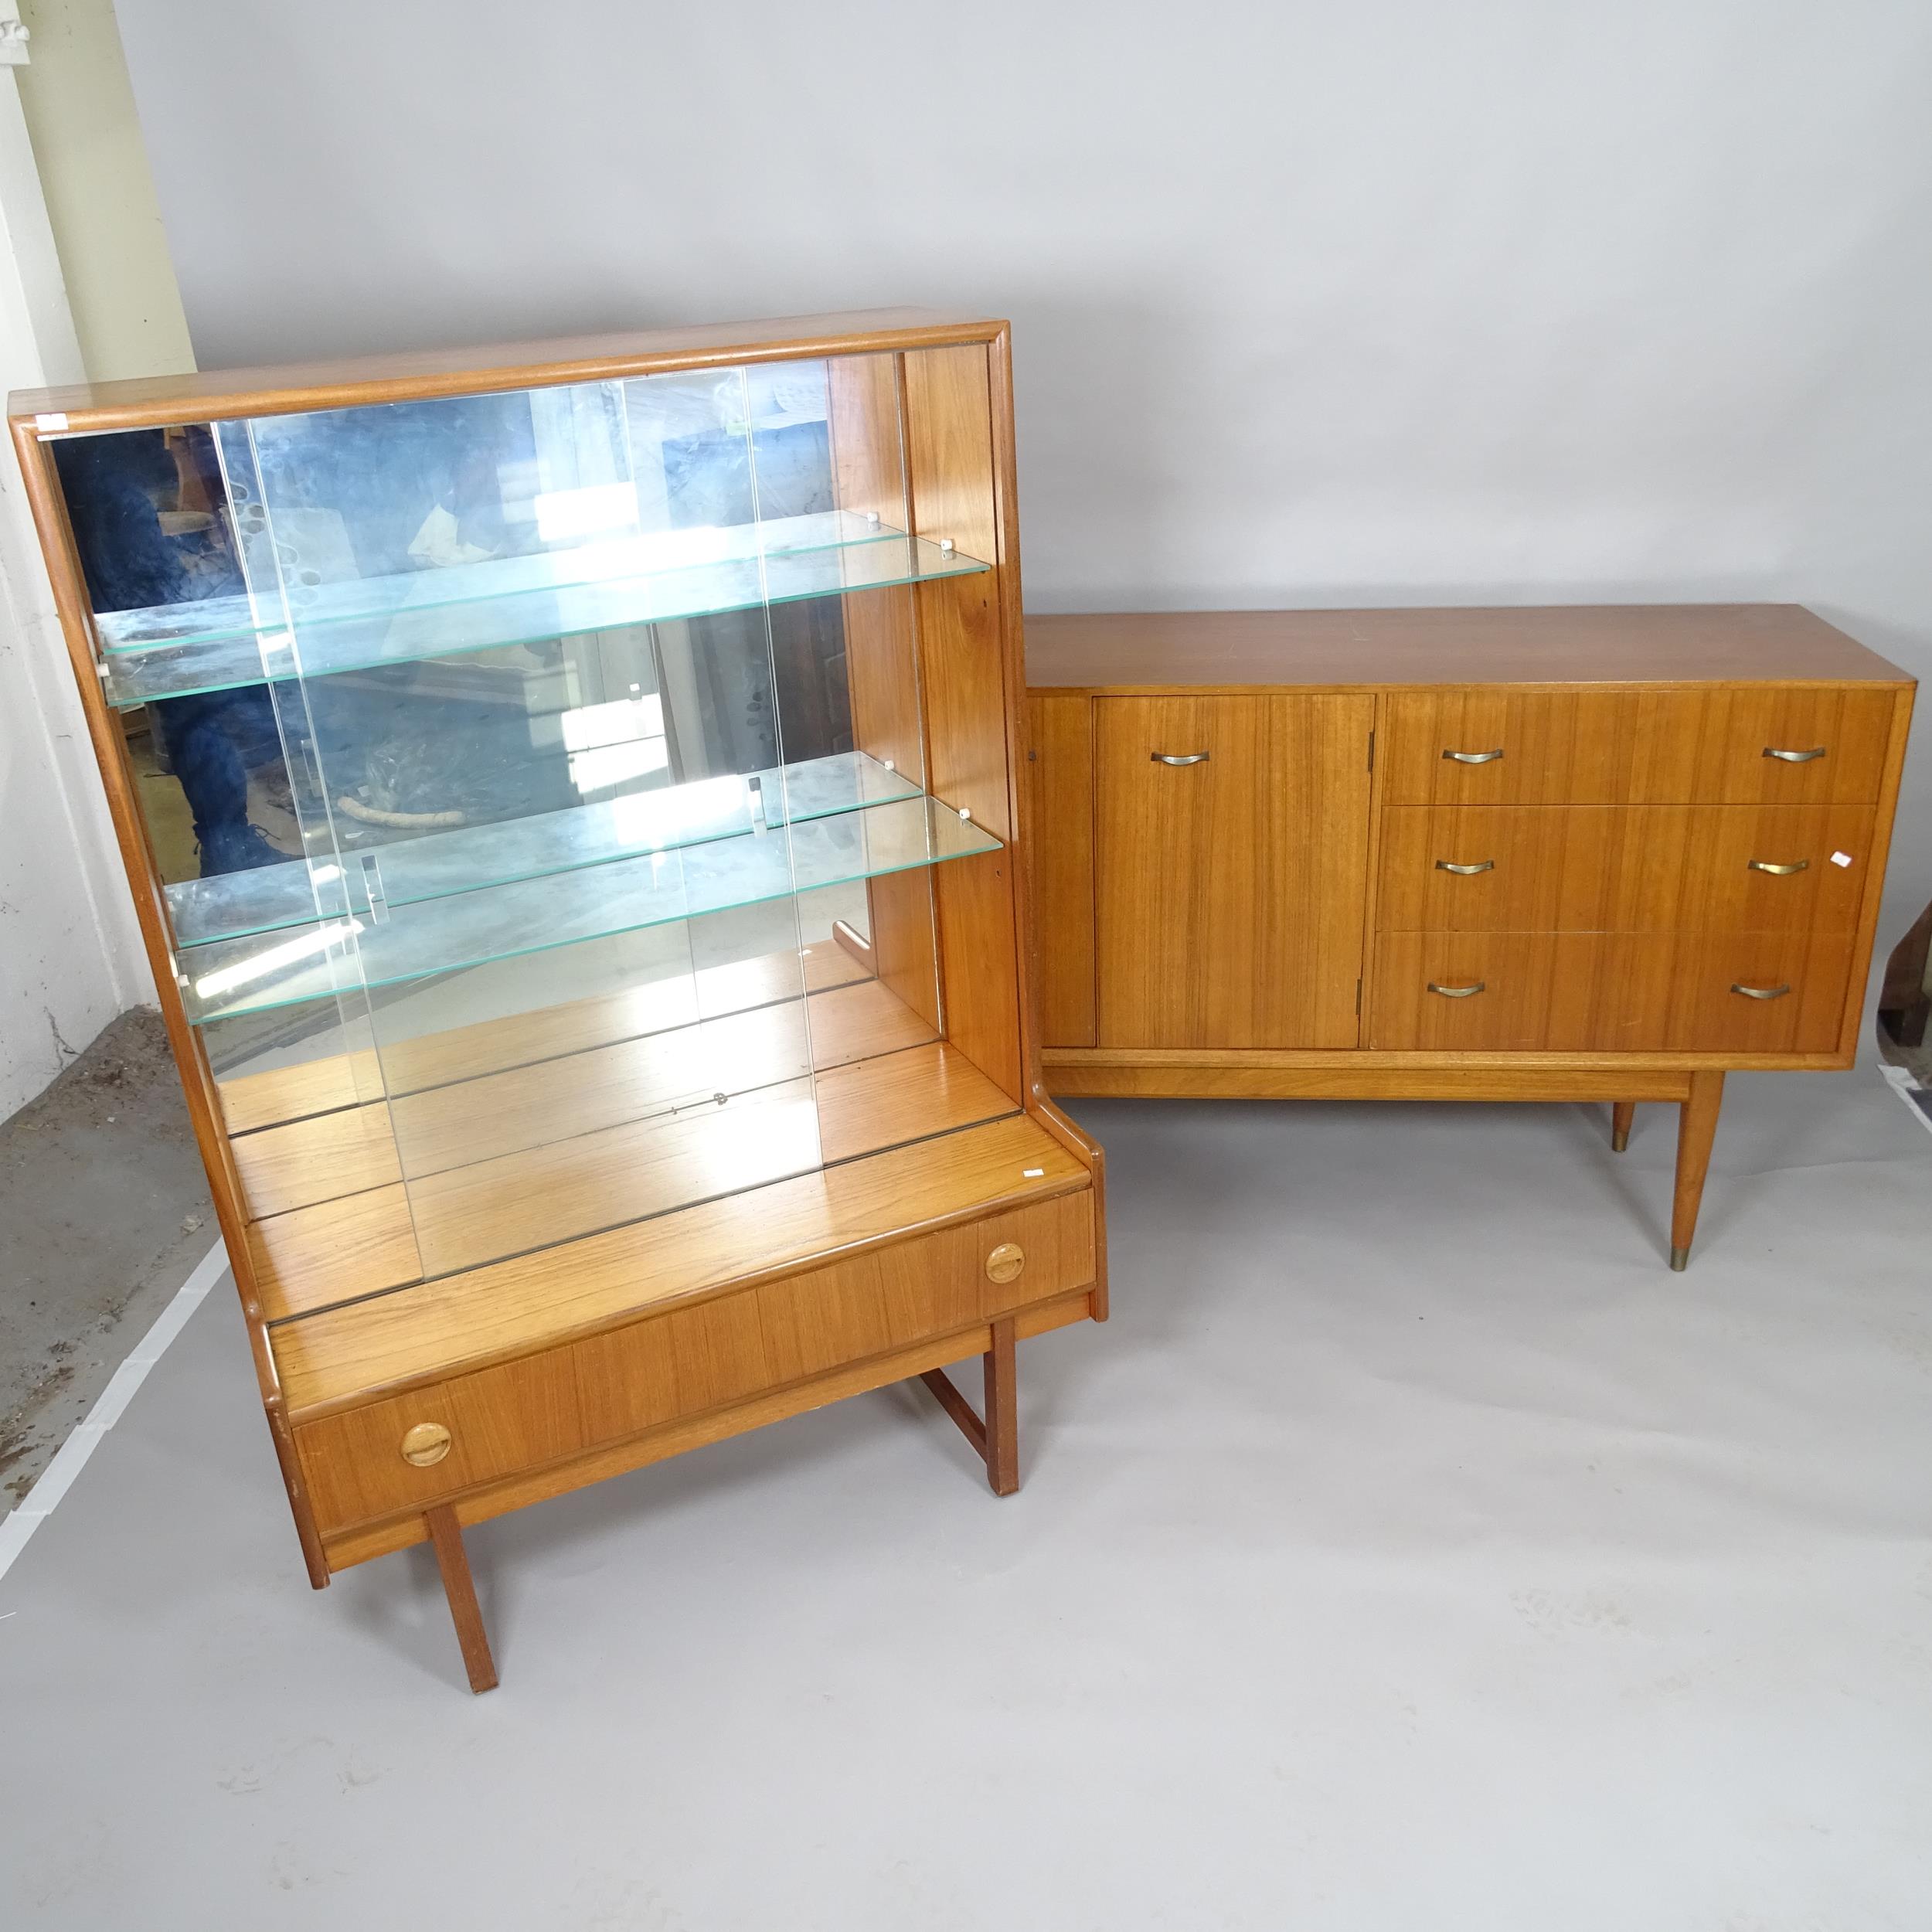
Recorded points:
(405, 872)
(223, 644)
(227, 978)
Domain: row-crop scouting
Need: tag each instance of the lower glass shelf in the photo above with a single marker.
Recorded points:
(348, 955)
(406, 872)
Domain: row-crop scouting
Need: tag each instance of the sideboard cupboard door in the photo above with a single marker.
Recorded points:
(1231, 837)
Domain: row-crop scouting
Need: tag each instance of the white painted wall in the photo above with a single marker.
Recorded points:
(1389, 302)
(70, 957)
(99, 195)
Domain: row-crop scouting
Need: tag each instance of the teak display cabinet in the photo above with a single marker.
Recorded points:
(1588, 854)
(571, 795)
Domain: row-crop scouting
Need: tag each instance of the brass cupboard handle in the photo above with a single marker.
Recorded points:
(427, 1444)
(1794, 757)
(1465, 872)
(1777, 871)
(1760, 992)
(1474, 757)
(1176, 758)
(1459, 992)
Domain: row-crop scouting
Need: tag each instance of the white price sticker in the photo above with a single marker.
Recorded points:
(1840, 858)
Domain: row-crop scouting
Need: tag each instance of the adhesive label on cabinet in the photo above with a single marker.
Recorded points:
(1840, 858)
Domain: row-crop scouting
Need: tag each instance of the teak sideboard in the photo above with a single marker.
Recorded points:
(598, 971)
(1579, 854)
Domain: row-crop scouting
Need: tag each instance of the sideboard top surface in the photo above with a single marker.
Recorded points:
(1574, 644)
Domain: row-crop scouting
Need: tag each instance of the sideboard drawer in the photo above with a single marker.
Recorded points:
(1623, 869)
(1611, 993)
(1491, 745)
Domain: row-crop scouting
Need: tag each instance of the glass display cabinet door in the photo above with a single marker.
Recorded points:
(598, 706)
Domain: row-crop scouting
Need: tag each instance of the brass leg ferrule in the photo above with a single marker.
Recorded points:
(1679, 1259)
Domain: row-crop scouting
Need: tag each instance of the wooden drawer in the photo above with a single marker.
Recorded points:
(517, 1416)
(693, 1359)
(1611, 993)
(543, 1408)
(1635, 746)
(1623, 869)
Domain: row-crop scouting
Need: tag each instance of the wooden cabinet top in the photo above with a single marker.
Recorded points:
(1569, 644)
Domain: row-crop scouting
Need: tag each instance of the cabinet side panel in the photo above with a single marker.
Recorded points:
(962, 661)
(882, 666)
(1060, 771)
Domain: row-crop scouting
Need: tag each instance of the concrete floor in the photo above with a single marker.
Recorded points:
(104, 1210)
(1412, 1549)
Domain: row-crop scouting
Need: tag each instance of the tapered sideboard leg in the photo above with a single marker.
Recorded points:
(996, 1439)
(446, 1536)
(1002, 1412)
(1621, 1114)
(1697, 1126)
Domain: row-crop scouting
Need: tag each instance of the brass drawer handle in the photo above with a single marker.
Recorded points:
(1794, 757)
(1176, 758)
(1459, 992)
(1005, 1261)
(1778, 871)
(1465, 872)
(1474, 757)
(427, 1443)
(1761, 992)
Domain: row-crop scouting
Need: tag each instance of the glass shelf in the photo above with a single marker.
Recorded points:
(183, 650)
(231, 977)
(406, 872)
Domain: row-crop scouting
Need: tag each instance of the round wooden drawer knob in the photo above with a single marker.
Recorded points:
(428, 1442)
(1006, 1262)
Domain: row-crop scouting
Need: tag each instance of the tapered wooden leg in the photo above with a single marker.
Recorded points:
(1002, 1412)
(446, 1535)
(1621, 1114)
(1696, 1128)
(996, 1441)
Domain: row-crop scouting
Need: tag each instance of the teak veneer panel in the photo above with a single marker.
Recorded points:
(1060, 771)
(1624, 868)
(346, 1548)
(1611, 993)
(1588, 747)
(409, 375)
(545, 1101)
(1356, 650)
(1229, 892)
(688, 1361)
(559, 1191)
(251, 1101)
(340, 1356)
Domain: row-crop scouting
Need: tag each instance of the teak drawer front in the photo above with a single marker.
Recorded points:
(1231, 860)
(1611, 993)
(517, 1416)
(1592, 747)
(1623, 869)
(634, 1378)
(523, 1414)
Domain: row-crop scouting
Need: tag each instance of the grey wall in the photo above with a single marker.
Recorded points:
(1393, 300)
